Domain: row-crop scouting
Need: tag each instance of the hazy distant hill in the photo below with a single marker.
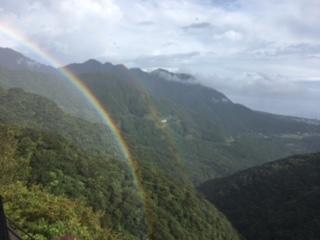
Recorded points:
(14, 60)
(18, 71)
(278, 200)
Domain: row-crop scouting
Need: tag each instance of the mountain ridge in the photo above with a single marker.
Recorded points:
(211, 135)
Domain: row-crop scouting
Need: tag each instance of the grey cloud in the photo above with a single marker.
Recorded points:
(209, 28)
(311, 86)
(175, 56)
(200, 25)
(272, 50)
(164, 60)
(254, 84)
(168, 44)
(301, 49)
(301, 28)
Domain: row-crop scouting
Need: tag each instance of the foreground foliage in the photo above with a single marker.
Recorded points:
(47, 216)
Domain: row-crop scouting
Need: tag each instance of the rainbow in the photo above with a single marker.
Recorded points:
(18, 36)
(102, 112)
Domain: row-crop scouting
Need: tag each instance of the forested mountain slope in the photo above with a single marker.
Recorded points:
(45, 170)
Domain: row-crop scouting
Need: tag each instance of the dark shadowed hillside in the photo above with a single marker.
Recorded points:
(278, 200)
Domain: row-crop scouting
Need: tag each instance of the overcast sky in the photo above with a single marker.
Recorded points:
(255, 51)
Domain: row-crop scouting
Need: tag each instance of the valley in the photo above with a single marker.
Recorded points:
(179, 134)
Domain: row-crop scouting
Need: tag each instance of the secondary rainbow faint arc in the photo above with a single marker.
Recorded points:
(103, 114)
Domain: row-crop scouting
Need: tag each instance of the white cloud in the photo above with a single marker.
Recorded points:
(84, 9)
(113, 28)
